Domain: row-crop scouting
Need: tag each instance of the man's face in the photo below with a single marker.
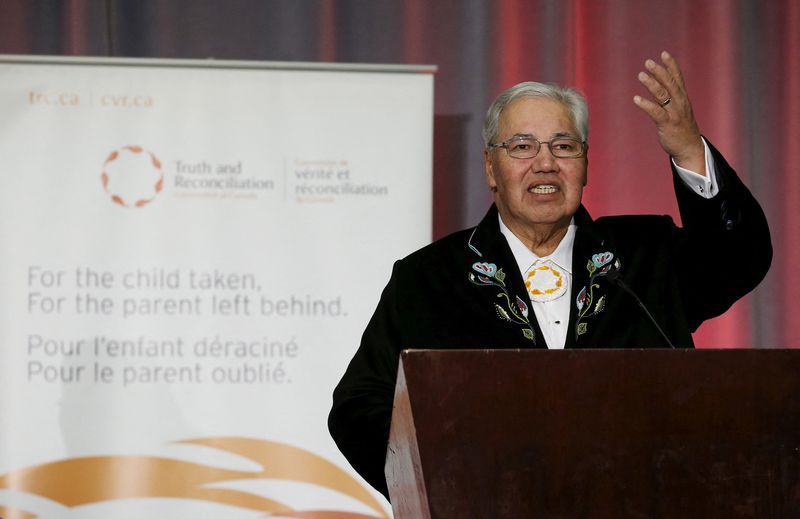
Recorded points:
(541, 190)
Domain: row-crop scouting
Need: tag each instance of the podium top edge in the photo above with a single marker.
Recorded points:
(30, 59)
(577, 351)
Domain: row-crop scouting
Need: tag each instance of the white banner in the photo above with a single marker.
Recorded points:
(190, 255)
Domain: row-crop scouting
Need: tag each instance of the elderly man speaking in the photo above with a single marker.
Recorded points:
(539, 272)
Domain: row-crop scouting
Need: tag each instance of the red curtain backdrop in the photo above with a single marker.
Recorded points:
(741, 61)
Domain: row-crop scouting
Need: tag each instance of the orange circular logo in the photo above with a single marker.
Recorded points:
(132, 176)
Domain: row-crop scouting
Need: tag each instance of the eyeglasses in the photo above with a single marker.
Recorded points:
(527, 147)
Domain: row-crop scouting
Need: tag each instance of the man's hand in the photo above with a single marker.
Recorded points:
(671, 111)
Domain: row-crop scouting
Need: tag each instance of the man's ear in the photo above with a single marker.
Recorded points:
(487, 169)
(586, 166)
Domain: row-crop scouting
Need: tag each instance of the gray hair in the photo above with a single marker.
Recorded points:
(569, 97)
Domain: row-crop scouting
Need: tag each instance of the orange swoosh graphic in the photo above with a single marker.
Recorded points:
(281, 461)
(80, 481)
(13, 513)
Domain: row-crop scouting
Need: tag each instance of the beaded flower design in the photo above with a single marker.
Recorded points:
(516, 311)
(589, 301)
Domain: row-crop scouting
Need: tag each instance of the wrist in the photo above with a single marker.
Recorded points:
(693, 159)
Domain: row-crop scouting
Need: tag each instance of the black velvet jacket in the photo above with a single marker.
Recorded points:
(465, 291)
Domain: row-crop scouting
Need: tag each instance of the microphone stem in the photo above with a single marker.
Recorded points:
(616, 279)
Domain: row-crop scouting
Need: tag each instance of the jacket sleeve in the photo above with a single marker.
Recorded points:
(725, 249)
(362, 401)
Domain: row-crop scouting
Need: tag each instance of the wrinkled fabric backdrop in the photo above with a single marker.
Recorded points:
(740, 58)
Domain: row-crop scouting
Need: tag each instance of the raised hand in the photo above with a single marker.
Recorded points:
(671, 111)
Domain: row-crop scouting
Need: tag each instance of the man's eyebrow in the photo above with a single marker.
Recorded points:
(564, 134)
(531, 136)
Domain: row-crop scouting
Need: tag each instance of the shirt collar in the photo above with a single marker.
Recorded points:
(562, 256)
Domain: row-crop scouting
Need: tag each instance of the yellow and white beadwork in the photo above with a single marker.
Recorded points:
(545, 282)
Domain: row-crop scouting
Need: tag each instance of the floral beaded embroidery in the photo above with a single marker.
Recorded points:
(600, 265)
(512, 311)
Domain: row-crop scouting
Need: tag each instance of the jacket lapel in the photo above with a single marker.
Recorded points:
(588, 243)
(495, 271)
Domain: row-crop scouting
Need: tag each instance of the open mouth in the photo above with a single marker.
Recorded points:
(543, 189)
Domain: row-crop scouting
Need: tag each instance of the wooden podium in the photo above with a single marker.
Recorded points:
(596, 434)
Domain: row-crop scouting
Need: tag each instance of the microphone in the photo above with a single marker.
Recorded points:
(615, 277)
